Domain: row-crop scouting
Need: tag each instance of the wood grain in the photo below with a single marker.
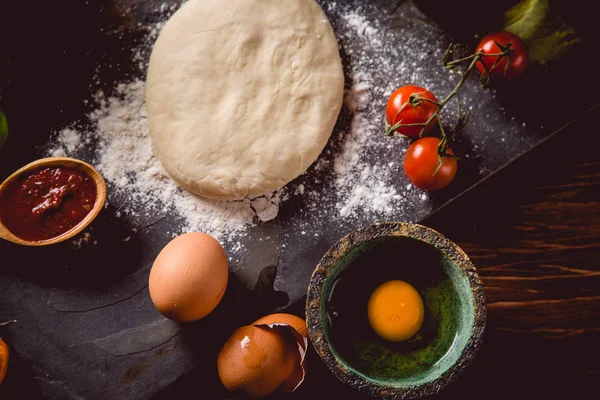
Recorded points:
(533, 232)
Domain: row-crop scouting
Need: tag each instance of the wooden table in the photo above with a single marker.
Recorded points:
(533, 231)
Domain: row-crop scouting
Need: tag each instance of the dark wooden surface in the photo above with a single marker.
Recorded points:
(533, 231)
(49, 59)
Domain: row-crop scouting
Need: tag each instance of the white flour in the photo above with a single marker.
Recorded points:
(83, 239)
(125, 158)
(358, 178)
(365, 184)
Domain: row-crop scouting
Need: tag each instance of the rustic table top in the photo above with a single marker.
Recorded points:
(533, 231)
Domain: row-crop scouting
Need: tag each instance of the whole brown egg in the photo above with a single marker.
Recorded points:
(189, 277)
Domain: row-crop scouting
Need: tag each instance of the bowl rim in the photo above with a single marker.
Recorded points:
(382, 230)
(67, 162)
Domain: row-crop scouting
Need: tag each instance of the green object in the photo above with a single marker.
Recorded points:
(454, 310)
(3, 129)
(547, 37)
(526, 18)
(448, 303)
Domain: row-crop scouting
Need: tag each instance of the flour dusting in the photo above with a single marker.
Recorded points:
(357, 180)
(125, 157)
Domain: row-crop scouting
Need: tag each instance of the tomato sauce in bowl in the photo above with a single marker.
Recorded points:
(45, 203)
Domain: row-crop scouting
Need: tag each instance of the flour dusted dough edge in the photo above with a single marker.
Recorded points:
(243, 95)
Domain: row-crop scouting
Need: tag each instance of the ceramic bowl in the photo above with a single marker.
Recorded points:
(452, 293)
(59, 162)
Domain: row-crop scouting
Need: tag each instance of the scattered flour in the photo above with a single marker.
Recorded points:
(125, 158)
(70, 141)
(121, 149)
(363, 28)
(122, 152)
(83, 240)
(358, 179)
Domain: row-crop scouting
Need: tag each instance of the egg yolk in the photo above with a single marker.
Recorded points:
(396, 311)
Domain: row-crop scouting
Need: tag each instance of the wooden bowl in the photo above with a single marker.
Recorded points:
(59, 162)
(455, 311)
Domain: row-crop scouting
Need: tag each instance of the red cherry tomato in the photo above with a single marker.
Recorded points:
(421, 161)
(4, 353)
(509, 67)
(399, 109)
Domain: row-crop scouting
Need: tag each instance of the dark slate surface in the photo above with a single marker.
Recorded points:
(86, 326)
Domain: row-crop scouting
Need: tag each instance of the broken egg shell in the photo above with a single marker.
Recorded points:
(257, 359)
(294, 321)
(300, 331)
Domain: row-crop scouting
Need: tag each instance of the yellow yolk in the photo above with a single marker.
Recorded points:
(396, 311)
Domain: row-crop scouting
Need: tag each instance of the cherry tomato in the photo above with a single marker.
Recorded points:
(421, 161)
(517, 59)
(400, 109)
(3, 360)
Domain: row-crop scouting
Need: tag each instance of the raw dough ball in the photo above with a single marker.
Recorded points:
(243, 95)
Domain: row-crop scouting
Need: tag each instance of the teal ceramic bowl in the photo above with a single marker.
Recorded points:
(452, 293)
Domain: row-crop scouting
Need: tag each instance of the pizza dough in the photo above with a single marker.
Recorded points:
(243, 95)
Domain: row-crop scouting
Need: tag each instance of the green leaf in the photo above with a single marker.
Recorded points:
(546, 35)
(526, 18)
(3, 129)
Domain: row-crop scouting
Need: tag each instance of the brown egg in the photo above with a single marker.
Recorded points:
(189, 277)
(289, 319)
(297, 377)
(257, 360)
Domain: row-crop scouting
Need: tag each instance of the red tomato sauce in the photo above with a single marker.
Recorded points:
(45, 203)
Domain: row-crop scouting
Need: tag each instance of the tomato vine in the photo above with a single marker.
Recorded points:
(484, 60)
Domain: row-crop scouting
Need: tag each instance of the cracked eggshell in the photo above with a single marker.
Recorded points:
(189, 277)
(288, 319)
(300, 331)
(257, 360)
